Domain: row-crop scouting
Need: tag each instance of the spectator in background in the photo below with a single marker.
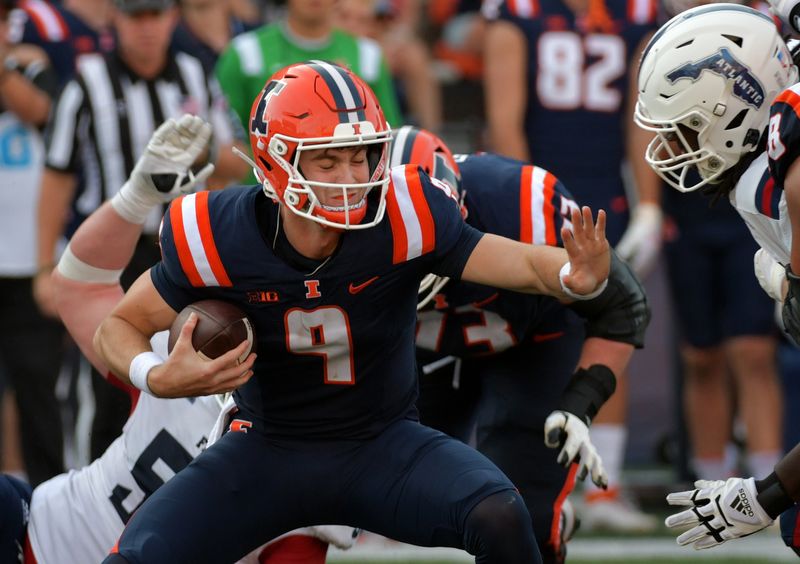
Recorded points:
(30, 344)
(394, 25)
(205, 29)
(101, 124)
(64, 30)
(558, 93)
(307, 33)
(461, 36)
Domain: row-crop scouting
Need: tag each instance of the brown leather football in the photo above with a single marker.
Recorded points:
(221, 326)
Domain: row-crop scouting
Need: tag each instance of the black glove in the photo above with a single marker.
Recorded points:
(791, 306)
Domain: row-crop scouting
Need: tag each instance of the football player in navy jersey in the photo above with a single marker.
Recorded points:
(326, 257)
(559, 93)
(718, 89)
(65, 30)
(514, 356)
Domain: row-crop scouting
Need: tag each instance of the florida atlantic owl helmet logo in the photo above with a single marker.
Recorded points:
(424, 149)
(706, 81)
(312, 106)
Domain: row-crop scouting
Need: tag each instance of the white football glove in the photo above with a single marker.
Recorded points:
(720, 511)
(789, 12)
(770, 273)
(641, 242)
(564, 428)
(163, 171)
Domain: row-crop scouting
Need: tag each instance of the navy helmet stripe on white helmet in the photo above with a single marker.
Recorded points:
(343, 89)
(700, 10)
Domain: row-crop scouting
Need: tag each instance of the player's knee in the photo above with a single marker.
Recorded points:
(499, 530)
(703, 363)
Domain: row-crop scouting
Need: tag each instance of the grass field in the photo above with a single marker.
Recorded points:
(579, 561)
(764, 548)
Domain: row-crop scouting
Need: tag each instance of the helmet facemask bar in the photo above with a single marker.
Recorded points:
(431, 285)
(672, 155)
(299, 195)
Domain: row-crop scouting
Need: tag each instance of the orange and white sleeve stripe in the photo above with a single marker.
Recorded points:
(523, 8)
(194, 242)
(49, 23)
(642, 12)
(410, 215)
(791, 98)
(537, 211)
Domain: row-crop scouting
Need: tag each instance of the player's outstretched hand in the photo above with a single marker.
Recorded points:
(566, 430)
(770, 274)
(186, 374)
(790, 312)
(588, 251)
(718, 511)
(164, 172)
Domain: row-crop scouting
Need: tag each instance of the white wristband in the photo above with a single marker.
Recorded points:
(565, 270)
(141, 365)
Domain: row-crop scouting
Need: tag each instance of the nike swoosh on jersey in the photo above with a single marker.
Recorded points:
(356, 288)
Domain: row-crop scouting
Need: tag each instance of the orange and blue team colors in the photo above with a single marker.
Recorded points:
(217, 242)
(578, 78)
(194, 241)
(522, 202)
(60, 33)
(521, 348)
(331, 409)
(783, 147)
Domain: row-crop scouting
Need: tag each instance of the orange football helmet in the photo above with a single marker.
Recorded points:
(420, 147)
(319, 105)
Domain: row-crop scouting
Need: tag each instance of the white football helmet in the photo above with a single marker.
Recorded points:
(706, 81)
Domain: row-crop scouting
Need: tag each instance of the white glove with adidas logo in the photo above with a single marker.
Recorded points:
(720, 511)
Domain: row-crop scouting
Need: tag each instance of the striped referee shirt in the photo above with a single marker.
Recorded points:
(106, 114)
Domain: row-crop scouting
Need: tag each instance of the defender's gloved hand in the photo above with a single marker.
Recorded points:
(770, 274)
(163, 171)
(641, 242)
(719, 510)
(563, 429)
(790, 313)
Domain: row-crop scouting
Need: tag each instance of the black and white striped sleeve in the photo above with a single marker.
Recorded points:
(61, 137)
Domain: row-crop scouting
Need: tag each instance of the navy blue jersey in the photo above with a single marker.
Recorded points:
(61, 33)
(505, 197)
(336, 344)
(578, 87)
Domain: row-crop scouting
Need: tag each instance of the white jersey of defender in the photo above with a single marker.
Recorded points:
(773, 235)
(78, 516)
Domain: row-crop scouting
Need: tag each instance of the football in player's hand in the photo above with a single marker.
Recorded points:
(221, 326)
